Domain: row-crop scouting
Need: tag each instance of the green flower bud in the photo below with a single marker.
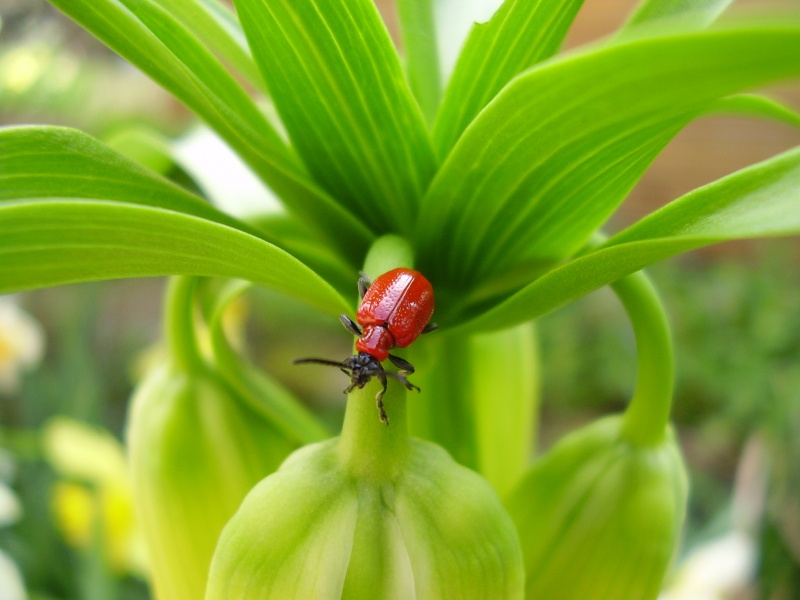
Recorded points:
(196, 449)
(599, 516)
(319, 528)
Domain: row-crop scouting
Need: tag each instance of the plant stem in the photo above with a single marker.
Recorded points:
(647, 416)
(368, 447)
(179, 324)
(264, 395)
(371, 449)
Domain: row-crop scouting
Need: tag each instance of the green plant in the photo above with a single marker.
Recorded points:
(495, 188)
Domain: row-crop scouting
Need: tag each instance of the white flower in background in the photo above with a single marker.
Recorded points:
(724, 567)
(717, 570)
(11, 586)
(21, 344)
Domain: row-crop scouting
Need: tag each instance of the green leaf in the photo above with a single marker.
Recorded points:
(289, 234)
(337, 83)
(683, 14)
(755, 105)
(173, 58)
(150, 38)
(519, 35)
(418, 28)
(57, 162)
(217, 27)
(46, 243)
(546, 163)
(760, 201)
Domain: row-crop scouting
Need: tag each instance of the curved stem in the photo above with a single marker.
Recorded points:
(367, 446)
(647, 416)
(179, 323)
(260, 391)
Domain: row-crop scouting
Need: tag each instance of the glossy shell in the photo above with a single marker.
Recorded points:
(396, 308)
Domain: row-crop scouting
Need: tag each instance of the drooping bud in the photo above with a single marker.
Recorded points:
(600, 514)
(600, 517)
(197, 446)
(196, 449)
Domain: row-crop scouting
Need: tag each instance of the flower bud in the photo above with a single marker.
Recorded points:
(600, 517)
(196, 449)
(319, 529)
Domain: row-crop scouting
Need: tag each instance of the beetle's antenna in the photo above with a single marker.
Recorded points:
(320, 361)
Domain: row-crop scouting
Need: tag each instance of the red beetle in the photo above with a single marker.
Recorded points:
(394, 311)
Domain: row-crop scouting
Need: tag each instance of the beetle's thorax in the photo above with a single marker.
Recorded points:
(376, 340)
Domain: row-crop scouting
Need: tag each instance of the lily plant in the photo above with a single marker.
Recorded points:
(494, 179)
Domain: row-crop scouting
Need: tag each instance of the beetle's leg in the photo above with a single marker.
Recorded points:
(406, 368)
(379, 398)
(363, 284)
(401, 377)
(350, 325)
(430, 327)
(402, 364)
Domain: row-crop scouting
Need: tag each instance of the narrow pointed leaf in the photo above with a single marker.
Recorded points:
(46, 243)
(217, 27)
(519, 35)
(757, 106)
(174, 59)
(337, 83)
(760, 201)
(191, 52)
(686, 14)
(57, 162)
(418, 27)
(549, 160)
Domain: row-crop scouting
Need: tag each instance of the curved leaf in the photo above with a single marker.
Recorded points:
(289, 234)
(754, 105)
(58, 162)
(760, 201)
(174, 59)
(519, 35)
(48, 243)
(554, 154)
(694, 14)
(336, 81)
(154, 41)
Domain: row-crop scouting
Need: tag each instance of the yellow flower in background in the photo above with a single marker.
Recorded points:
(21, 343)
(93, 503)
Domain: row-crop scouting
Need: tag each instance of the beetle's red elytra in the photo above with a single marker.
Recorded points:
(394, 311)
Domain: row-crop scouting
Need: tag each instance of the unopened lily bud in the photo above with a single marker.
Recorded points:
(317, 529)
(600, 517)
(196, 450)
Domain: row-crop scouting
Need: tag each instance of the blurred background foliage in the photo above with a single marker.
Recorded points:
(65, 522)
